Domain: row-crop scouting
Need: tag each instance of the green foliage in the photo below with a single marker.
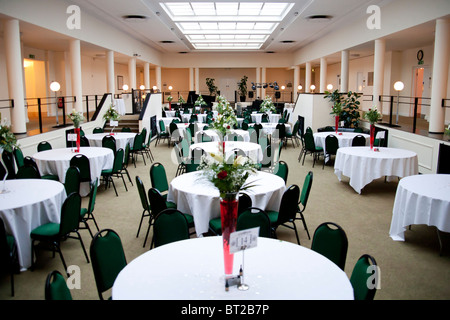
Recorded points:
(346, 105)
(242, 86)
(211, 86)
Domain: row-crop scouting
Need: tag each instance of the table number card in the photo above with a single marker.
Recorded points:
(113, 123)
(243, 240)
(72, 137)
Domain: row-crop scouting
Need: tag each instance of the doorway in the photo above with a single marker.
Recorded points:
(421, 89)
(227, 87)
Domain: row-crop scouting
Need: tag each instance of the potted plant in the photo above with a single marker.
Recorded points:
(349, 107)
(373, 116)
(211, 87)
(242, 88)
(170, 98)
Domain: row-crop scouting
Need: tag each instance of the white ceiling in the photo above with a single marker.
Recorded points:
(294, 32)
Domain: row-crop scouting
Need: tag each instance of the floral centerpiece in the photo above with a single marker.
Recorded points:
(447, 132)
(8, 140)
(111, 114)
(373, 116)
(181, 100)
(336, 110)
(226, 118)
(76, 118)
(200, 102)
(267, 105)
(229, 177)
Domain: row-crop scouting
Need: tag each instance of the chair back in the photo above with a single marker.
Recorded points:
(281, 169)
(70, 214)
(170, 225)
(126, 129)
(157, 201)
(158, 177)
(307, 184)
(84, 142)
(310, 145)
(295, 129)
(331, 241)
(162, 127)
(56, 287)
(289, 204)
(93, 196)
(8, 161)
(280, 131)
(97, 130)
(142, 193)
(252, 218)
(118, 161)
(109, 142)
(360, 277)
(28, 172)
(72, 180)
(244, 202)
(137, 142)
(44, 145)
(358, 141)
(82, 163)
(265, 118)
(107, 259)
(331, 144)
(18, 155)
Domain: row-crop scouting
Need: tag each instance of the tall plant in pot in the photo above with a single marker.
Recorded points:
(211, 86)
(242, 88)
(349, 111)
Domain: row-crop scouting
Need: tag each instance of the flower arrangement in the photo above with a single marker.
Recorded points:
(181, 100)
(447, 130)
(336, 109)
(8, 140)
(229, 177)
(267, 105)
(200, 101)
(111, 114)
(226, 117)
(76, 118)
(373, 116)
(169, 98)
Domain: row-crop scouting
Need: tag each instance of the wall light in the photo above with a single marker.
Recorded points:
(125, 87)
(312, 88)
(299, 87)
(398, 86)
(142, 87)
(329, 87)
(170, 88)
(55, 86)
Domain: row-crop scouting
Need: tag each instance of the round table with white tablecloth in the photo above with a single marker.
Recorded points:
(273, 117)
(251, 150)
(345, 139)
(193, 270)
(28, 204)
(363, 165)
(57, 161)
(421, 199)
(269, 128)
(194, 194)
(122, 139)
(242, 134)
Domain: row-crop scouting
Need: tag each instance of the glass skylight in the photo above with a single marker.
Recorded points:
(227, 25)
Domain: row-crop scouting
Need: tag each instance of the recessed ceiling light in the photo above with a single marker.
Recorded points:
(287, 41)
(167, 41)
(134, 18)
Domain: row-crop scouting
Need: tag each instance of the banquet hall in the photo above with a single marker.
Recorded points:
(127, 70)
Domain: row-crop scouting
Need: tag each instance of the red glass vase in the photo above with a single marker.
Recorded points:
(336, 125)
(372, 135)
(228, 214)
(77, 131)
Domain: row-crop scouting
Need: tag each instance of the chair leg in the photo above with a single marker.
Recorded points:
(302, 217)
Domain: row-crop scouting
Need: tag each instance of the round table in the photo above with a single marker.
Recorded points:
(29, 204)
(269, 128)
(421, 199)
(57, 161)
(122, 139)
(215, 136)
(345, 139)
(363, 165)
(197, 196)
(273, 117)
(252, 150)
(193, 269)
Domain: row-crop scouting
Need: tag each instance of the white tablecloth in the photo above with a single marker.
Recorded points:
(363, 165)
(193, 270)
(167, 121)
(215, 137)
(29, 204)
(119, 105)
(421, 199)
(122, 139)
(57, 161)
(252, 150)
(273, 117)
(269, 128)
(197, 196)
(345, 139)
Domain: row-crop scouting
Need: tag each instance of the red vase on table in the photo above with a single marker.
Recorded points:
(228, 215)
(336, 125)
(372, 135)
(77, 132)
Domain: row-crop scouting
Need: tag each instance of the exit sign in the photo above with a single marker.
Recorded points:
(31, 56)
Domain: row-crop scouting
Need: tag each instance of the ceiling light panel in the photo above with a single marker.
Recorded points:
(227, 24)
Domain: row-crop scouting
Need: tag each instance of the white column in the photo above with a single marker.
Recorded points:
(258, 80)
(191, 79)
(75, 70)
(323, 74)
(132, 72)
(344, 70)
(378, 73)
(308, 77)
(197, 80)
(147, 75)
(440, 75)
(110, 78)
(158, 77)
(14, 71)
(296, 83)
